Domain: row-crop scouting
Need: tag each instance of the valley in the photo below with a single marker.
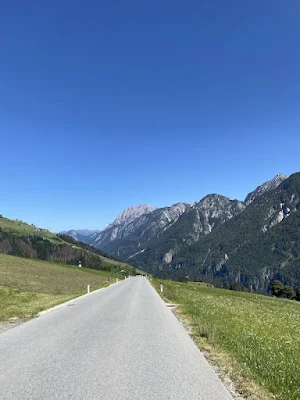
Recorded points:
(208, 246)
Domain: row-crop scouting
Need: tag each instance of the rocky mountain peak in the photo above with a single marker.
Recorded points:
(176, 210)
(217, 201)
(265, 187)
(131, 213)
(214, 210)
(213, 199)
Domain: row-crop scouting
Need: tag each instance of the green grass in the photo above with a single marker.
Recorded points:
(261, 334)
(111, 262)
(18, 305)
(23, 228)
(28, 286)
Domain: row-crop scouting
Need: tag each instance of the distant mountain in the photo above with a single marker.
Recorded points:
(81, 235)
(131, 213)
(128, 236)
(123, 218)
(86, 232)
(74, 234)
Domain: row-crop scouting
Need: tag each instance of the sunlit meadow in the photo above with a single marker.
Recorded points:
(260, 332)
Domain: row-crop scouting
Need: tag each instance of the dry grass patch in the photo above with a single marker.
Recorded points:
(17, 305)
(46, 277)
(29, 286)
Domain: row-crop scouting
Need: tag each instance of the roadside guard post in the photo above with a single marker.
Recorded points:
(161, 288)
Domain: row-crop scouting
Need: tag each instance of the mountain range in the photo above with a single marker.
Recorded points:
(218, 240)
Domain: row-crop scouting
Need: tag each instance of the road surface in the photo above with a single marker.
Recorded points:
(118, 343)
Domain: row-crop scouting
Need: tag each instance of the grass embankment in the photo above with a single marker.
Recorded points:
(29, 286)
(109, 262)
(253, 338)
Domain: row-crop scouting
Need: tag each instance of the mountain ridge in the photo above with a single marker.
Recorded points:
(266, 186)
(126, 237)
(130, 213)
(133, 212)
(215, 239)
(258, 245)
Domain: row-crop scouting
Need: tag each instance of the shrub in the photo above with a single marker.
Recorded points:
(288, 292)
(277, 288)
(297, 293)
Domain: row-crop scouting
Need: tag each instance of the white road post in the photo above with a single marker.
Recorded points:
(161, 288)
(88, 289)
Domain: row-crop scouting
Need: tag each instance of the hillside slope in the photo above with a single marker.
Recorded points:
(28, 286)
(21, 239)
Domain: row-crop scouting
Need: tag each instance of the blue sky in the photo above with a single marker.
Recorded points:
(107, 104)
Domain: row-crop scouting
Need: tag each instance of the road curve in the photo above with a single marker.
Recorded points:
(118, 343)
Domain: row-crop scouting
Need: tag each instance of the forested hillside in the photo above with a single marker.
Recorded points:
(20, 239)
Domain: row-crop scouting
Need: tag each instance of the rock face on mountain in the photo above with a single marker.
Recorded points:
(265, 187)
(81, 235)
(131, 213)
(212, 211)
(73, 233)
(128, 235)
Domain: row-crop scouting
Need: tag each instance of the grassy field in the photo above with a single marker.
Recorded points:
(24, 228)
(257, 336)
(28, 286)
(119, 264)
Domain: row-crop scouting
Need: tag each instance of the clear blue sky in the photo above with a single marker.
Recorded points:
(107, 104)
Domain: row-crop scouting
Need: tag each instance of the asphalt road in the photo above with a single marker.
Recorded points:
(118, 343)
